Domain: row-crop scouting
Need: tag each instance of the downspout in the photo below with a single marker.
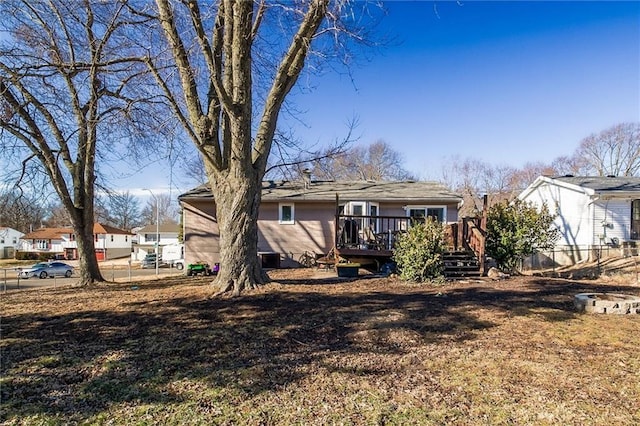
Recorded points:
(604, 224)
(335, 224)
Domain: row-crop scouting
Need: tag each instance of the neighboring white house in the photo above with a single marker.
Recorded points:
(9, 242)
(592, 213)
(110, 242)
(165, 234)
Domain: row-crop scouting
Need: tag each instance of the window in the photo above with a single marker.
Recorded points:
(436, 213)
(1, 240)
(374, 208)
(419, 213)
(635, 219)
(111, 237)
(286, 214)
(126, 238)
(42, 244)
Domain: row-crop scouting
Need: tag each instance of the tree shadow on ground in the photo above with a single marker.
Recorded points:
(78, 363)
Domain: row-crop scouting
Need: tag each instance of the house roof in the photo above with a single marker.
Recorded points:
(600, 186)
(603, 184)
(55, 233)
(7, 229)
(99, 228)
(47, 233)
(405, 191)
(164, 228)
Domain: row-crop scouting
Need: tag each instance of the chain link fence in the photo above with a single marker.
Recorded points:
(593, 260)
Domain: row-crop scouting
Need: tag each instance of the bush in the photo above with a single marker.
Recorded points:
(418, 253)
(518, 229)
(26, 255)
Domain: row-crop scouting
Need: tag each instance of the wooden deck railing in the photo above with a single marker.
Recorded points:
(367, 232)
(471, 236)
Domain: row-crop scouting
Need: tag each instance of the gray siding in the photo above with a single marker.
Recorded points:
(616, 214)
(201, 234)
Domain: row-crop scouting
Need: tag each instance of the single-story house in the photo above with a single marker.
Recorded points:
(110, 242)
(593, 213)
(9, 239)
(149, 235)
(296, 218)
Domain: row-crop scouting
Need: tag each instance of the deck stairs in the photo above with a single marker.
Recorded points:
(460, 264)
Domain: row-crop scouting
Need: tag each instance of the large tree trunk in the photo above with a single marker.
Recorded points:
(237, 202)
(82, 221)
(235, 152)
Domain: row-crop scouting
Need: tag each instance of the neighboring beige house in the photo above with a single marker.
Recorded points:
(299, 217)
(9, 240)
(166, 234)
(110, 242)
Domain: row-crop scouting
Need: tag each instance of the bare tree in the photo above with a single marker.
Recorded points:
(614, 151)
(233, 82)
(57, 216)
(19, 211)
(523, 177)
(67, 87)
(168, 210)
(378, 161)
(474, 179)
(571, 165)
(124, 210)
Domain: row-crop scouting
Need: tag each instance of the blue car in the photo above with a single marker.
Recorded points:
(47, 270)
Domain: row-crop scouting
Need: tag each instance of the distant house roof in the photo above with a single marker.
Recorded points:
(47, 233)
(6, 228)
(99, 228)
(603, 184)
(600, 186)
(164, 228)
(406, 191)
(55, 233)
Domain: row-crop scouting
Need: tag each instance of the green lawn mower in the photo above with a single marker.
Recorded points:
(202, 268)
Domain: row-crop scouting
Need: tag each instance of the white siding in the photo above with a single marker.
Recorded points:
(119, 241)
(574, 210)
(9, 237)
(612, 219)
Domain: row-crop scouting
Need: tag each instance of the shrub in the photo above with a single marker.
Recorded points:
(418, 253)
(26, 255)
(518, 229)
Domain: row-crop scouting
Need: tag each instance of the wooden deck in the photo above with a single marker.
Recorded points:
(373, 247)
(368, 258)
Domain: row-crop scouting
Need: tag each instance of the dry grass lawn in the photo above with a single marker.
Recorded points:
(315, 351)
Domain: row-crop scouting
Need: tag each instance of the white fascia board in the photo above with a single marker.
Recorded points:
(555, 182)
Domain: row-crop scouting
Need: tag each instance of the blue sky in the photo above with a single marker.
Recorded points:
(502, 82)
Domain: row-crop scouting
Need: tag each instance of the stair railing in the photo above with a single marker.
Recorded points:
(473, 237)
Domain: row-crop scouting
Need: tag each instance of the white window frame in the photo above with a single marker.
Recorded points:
(350, 211)
(282, 221)
(374, 222)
